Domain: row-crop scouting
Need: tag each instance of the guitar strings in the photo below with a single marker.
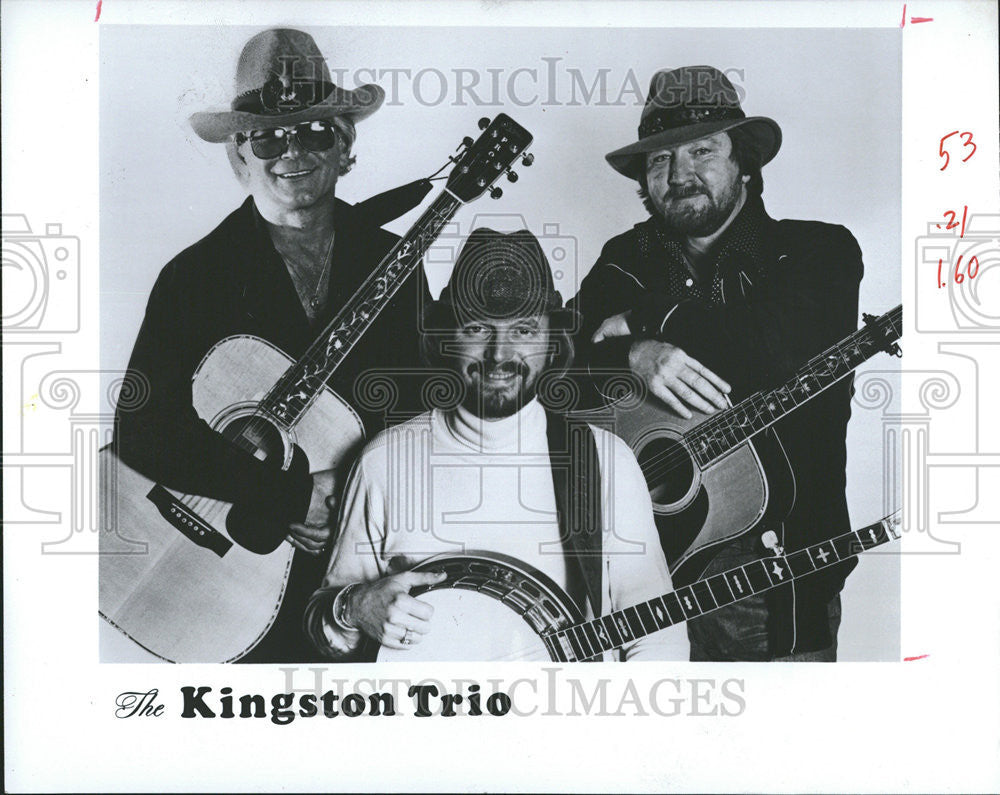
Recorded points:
(655, 467)
(661, 464)
(259, 420)
(437, 215)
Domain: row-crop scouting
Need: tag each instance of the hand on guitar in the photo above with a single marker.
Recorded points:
(313, 534)
(384, 610)
(677, 379)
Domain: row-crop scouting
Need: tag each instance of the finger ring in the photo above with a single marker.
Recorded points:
(407, 638)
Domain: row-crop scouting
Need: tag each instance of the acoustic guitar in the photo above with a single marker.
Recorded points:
(172, 579)
(708, 479)
(493, 607)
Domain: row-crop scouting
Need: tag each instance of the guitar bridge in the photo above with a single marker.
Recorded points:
(193, 527)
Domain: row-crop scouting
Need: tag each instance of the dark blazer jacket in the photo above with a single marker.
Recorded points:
(790, 290)
(233, 282)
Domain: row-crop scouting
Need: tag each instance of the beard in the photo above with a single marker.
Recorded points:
(496, 400)
(698, 218)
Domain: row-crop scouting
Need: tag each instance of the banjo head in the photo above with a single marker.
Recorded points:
(490, 607)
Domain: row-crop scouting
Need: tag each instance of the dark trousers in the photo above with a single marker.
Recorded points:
(738, 632)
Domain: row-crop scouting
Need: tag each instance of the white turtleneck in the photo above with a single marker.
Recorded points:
(451, 481)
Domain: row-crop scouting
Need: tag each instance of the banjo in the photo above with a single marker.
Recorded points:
(493, 607)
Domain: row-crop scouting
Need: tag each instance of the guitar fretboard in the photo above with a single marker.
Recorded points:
(718, 435)
(591, 639)
(296, 390)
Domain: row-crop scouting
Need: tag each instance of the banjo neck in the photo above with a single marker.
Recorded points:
(589, 640)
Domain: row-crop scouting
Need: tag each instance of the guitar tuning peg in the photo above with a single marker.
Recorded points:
(527, 160)
(496, 193)
(512, 176)
(467, 141)
(484, 122)
(770, 540)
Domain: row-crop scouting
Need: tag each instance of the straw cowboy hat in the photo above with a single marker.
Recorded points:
(687, 104)
(281, 80)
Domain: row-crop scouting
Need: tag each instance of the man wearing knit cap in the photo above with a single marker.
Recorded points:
(485, 473)
(279, 267)
(711, 298)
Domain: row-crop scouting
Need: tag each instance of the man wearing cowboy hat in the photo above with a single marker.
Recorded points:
(486, 472)
(711, 297)
(279, 267)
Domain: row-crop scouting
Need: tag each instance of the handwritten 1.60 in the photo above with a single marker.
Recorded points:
(972, 264)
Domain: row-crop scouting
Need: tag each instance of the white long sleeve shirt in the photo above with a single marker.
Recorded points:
(450, 481)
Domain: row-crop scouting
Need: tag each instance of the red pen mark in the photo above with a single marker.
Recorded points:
(967, 142)
(98, 10)
(913, 20)
(953, 223)
(959, 276)
(918, 657)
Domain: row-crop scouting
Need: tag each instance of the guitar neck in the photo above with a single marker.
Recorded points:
(591, 639)
(719, 434)
(296, 390)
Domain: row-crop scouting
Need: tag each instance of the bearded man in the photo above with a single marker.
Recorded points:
(482, 475)
(711, 298)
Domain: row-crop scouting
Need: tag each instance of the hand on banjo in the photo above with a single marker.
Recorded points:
(384, 610)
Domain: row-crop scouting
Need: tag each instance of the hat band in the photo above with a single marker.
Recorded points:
(281, 95)
(672, 118)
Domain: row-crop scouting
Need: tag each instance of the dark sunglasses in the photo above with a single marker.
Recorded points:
(313, 136)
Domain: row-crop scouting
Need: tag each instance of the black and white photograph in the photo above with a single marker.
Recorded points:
(421, 415)
(417, 358)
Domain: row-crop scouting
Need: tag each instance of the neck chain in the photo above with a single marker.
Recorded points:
(317, 297)
(322, 284)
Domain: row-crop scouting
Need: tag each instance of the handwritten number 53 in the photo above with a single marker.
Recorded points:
(967, 142)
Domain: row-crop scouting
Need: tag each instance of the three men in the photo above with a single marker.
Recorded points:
(485, 474)
(710, 297)
(279, 267)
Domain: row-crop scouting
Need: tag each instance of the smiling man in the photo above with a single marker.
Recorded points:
(489, 473)
(279, 267)
(711, 298)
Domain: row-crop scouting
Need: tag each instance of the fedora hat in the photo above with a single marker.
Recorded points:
(499, 276)
(282, 79)
(687, 104)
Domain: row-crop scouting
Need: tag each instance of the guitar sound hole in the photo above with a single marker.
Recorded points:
(668, 468)
(253, 433)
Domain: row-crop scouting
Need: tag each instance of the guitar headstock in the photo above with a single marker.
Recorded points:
(483, 161)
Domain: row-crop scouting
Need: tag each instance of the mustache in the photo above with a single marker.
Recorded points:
(683, 192)
(482, 369)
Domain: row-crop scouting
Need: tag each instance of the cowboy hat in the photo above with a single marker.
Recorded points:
(499, 277)
(281, 80)
(685, 105)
